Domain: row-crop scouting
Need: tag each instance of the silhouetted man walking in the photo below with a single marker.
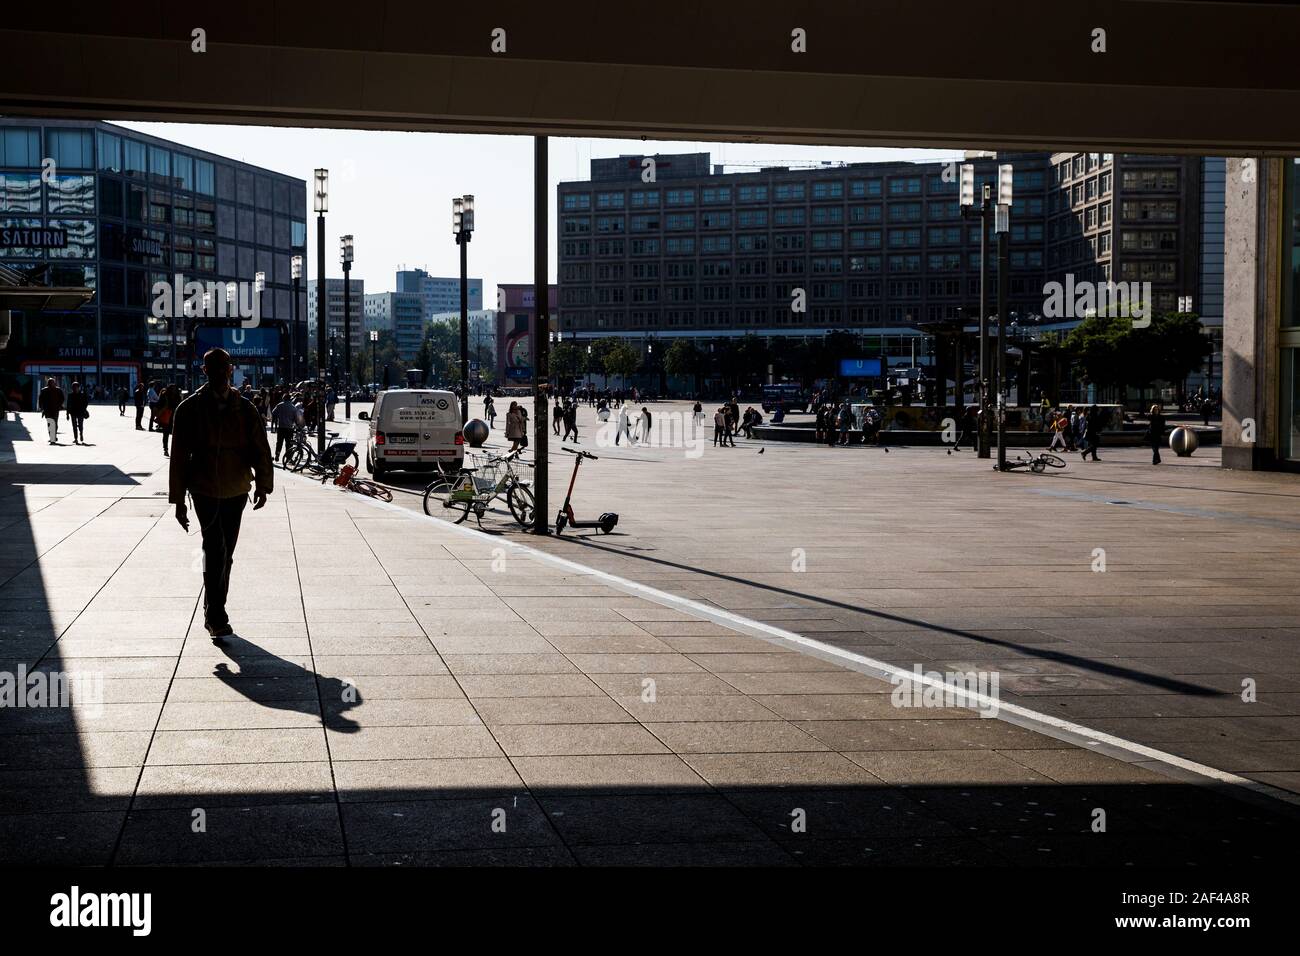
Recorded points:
(218, 438)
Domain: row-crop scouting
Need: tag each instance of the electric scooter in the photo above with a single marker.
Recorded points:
(605, 522)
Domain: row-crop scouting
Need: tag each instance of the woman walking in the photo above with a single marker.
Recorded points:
(78, 412)
(514, 426)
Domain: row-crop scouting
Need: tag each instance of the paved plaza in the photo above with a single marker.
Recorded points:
(401, 691)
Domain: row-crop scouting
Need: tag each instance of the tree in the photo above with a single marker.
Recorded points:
(621, 360)
(567, 360)
(1114, 353)
(683, 358)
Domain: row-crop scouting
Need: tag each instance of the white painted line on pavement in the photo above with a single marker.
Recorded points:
(1069, 731)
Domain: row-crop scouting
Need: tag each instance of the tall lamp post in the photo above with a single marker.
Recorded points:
(374, 358)
(259, 286)
(462, 227)
(984, 213)
(295, 269)
(321, 205)
(1002, 226)
(345, 257)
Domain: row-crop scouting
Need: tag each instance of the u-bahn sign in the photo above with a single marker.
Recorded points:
(33, 237)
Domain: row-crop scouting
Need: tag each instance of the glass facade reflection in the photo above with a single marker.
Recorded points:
(132, 210)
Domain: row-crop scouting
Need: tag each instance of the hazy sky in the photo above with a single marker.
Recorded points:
(393, 191)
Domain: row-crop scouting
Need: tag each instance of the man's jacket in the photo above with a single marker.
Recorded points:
(218, 447)
(50, 401)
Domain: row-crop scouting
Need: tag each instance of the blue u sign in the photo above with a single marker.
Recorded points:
(859, 368)
(242, 344)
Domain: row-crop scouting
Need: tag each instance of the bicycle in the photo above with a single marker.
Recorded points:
(1037, 463)
(347, 478)
(302, 457)
(467, 492)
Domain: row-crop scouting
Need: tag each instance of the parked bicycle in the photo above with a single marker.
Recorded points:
(301, 455)
(472, 490)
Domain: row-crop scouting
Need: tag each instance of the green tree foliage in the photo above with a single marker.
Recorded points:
(567, 360)
(622, 360)
(1114, 353)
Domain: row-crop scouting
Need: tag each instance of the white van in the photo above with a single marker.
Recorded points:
(415, 429)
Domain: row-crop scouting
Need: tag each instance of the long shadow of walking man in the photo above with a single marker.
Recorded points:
(336, 696)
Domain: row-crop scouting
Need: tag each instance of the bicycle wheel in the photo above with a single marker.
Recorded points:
(438, 503)
(292, 457)
(521, 504)
(1051, 460)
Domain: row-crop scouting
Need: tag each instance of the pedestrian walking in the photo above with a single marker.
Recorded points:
(284, 418)
(122, 396)
(969, 429)
(1092, 432)
(78, 412)
(644, 425)
(514, 426)
(571, 422)
(622, 430)
(557, 417)
(220, 454)
(1057, 424)
(151, 398)
(1156, 432)
(50, 402)
(719, 428)
(168, 402)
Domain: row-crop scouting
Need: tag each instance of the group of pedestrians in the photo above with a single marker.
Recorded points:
(565, 413)
(1077, 429)
(52, 401)
(834, 421)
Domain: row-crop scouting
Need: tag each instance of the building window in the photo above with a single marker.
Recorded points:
(70, 148)
(20, 147)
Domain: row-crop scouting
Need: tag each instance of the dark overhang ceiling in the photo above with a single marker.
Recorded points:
(1176, 74)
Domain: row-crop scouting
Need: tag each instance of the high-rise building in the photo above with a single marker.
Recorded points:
(870, 247)
(1128, 218)
(334, 313)
(439, 293)
(98, 205)
(401, 313)
(880, 249)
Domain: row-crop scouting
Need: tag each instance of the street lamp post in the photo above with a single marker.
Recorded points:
(295, 269)
(462, 227)
(345, 257)
(374, 347)
(259, 286)
(321, 206)
(1002, 226)
(984, 212)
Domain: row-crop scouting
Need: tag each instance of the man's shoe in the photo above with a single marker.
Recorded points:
(218, 631)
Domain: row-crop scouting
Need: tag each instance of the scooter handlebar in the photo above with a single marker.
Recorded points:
(581, 454)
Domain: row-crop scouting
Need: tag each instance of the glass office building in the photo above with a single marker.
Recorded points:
(94, 204)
